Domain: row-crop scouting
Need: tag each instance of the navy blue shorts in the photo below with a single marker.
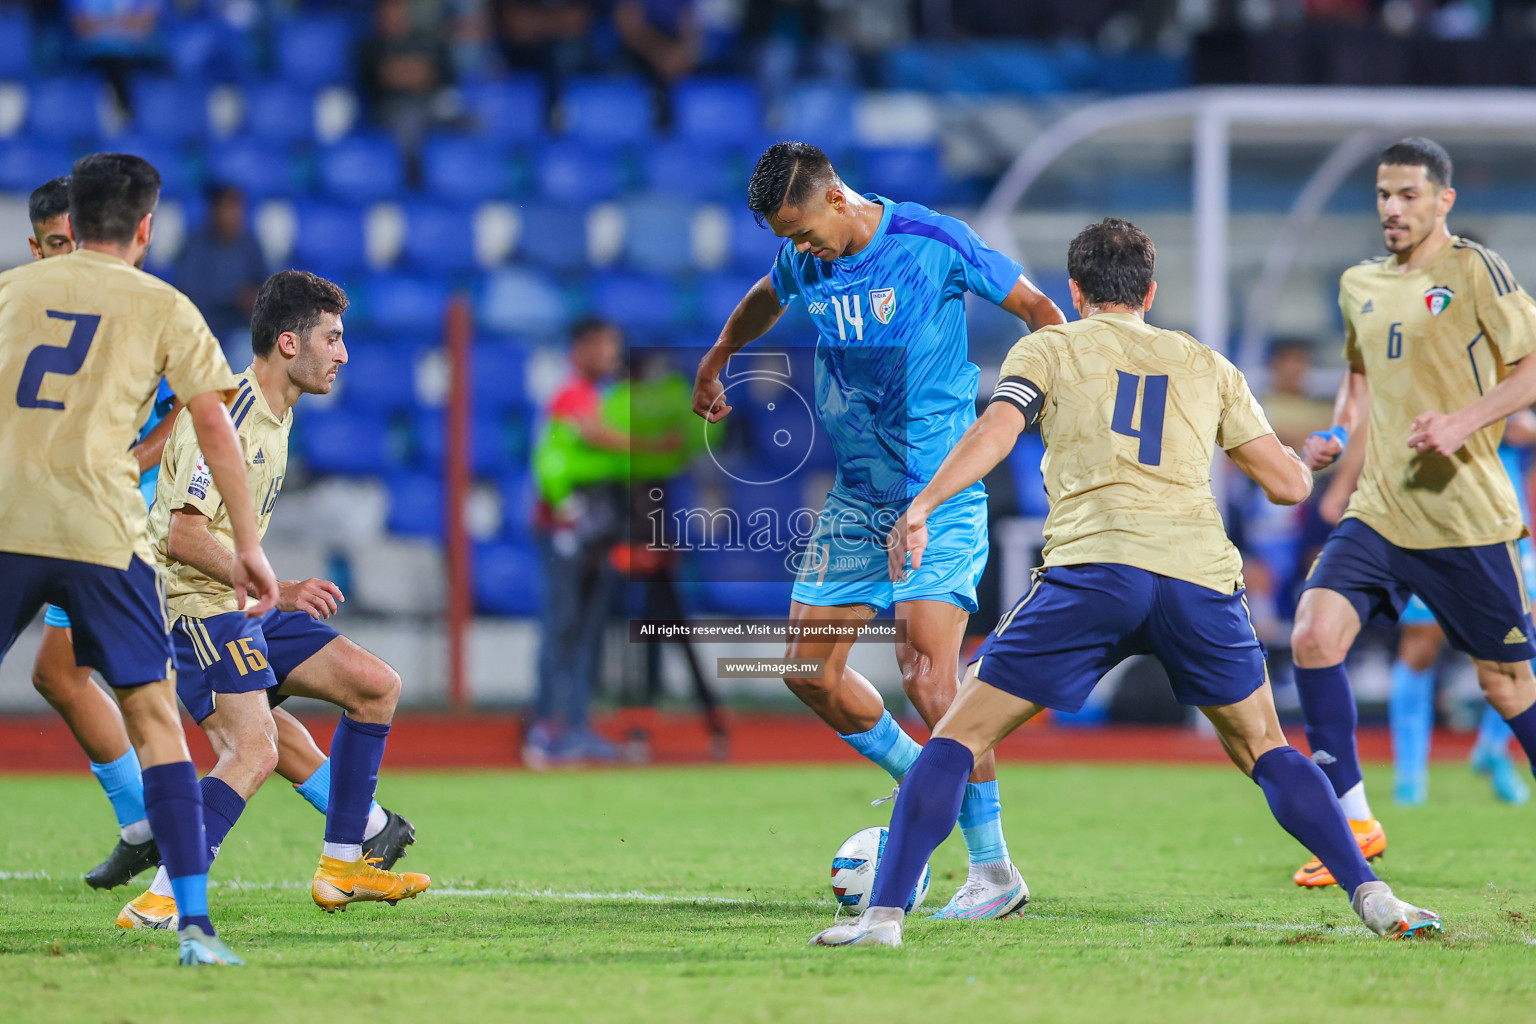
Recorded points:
(1477, 594)
(1079, 621)
(230, 653)
(119, 614)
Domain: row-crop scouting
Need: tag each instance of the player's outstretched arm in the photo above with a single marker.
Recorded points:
(1349, 414)
(220, 446)
(148, 451)
(1031, 305)
(758, 310)
(1276, 468)
(983, 445)
(190, 541)
(1445, 433)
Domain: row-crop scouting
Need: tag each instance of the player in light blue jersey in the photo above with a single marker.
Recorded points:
(1412, 705)
(885, 283)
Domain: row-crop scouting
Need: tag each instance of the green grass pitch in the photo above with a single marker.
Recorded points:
(1160, 893)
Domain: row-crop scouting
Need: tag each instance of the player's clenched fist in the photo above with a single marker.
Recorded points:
(318, 598)
(709, 398)
(1321, 449)
(1436, 432)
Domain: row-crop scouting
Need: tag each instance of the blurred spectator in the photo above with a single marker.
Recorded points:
(406, 67)
(118, 37)
(221, 267)
(664, 39)
(551, 37)
(1292, 411)
(789, 40)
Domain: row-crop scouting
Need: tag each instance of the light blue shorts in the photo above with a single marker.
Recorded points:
(845, 560)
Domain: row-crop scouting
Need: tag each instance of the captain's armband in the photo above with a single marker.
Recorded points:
(1023, 394)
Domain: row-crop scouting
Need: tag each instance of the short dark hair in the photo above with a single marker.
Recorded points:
(587, 326)
(109, 193)
(292, 301)
(47, 201)
(787, 174)
(1112, 261)
(1420, 152)
(215, 191)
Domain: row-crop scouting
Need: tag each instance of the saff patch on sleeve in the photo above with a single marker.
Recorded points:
(201, 480)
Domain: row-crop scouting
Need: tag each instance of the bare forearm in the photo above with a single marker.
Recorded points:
(758, 311)
(1352, 404)
(1032, 306)
(986, 443)
(190, 542)
(1509, 396)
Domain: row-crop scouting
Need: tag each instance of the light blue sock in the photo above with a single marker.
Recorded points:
(317, 788)
(888, 745)
(981, 823)
(1493, 733)
(1411, 712)
(124, 785)
(191, 893)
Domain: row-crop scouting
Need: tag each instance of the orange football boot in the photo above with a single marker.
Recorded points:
(339, 883)
(1373, 843)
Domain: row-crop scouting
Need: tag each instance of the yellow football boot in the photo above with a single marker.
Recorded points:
(1373, 843)
(339, 883)
(148, 910)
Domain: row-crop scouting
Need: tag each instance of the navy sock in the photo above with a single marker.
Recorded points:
(173, 802)
(1523, 726)
(222, 807)
(926, 811)
(1329, 709)
(1301, 801)
(356, 751)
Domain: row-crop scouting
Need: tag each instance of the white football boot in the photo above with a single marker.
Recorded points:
(877, 926)
(1389, 917)
(987, 893)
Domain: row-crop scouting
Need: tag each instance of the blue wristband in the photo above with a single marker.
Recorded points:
(1338, 433)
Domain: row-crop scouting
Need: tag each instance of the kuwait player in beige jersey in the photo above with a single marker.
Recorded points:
(1136, 561)
(1438, 338)
(84, 341)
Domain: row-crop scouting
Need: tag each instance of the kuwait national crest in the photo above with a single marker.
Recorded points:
(882, 303)
(1437, 298)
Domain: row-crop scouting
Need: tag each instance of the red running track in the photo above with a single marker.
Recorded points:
(41, 743)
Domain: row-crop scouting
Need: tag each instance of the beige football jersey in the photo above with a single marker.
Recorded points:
(1131, 418)
(84, 341)
(1434, 340)
(185, 481)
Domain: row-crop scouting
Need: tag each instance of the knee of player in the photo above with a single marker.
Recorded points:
(1314, 645)
(377, 686)
(46, 683)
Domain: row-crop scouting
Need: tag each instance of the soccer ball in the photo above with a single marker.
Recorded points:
(853, 870)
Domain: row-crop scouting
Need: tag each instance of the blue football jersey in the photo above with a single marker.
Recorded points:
(894, 386)
(164, 399)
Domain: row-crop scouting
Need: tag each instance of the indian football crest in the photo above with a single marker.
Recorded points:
(882, 303)
(1437, 298)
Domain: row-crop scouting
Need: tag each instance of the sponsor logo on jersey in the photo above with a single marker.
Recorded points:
(1437, 298)
(817, 308)
(201, 478)
(260, 458)
(1367, 308)
(882, 303)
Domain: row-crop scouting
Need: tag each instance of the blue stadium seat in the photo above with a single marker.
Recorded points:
(459, 169)
(65, 108)
(378, 377)
(362, 168)
(439, 238)
(657, 235)
(500, 378)
(747, 583)
(608, 111)
(818, 112)
(905, 173)
(259, 168)
(719, 293)
(517, 300)
(753, 246)
(491, 449)
(178, 178)
(348, 442)
(569, 172)
(694, 170)
(640, 303)
(415, 504)
(166, 108)
(511, 110)
(508, 579)
(519, 495)
(553, 236)
(280, 111)
(718, 110)
(15, 44)
(404, 302)
(208, 49)
(27, 163)
(314, 51)
(330, 239)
